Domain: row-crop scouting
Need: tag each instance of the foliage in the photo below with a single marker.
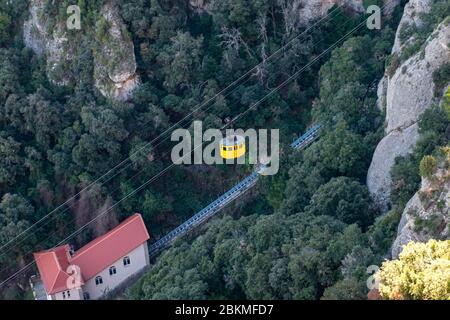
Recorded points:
(347, 92)
(422, 272)
(344, 198)
(405, 173)
(441, 77)
(339, 152)
(427, 166)
(415, 36)
(272, 257)
(303, 239)
(446, 103)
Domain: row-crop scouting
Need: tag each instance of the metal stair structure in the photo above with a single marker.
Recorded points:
(225, 199)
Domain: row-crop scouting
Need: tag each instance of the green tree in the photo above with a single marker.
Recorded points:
(428, 166)
(446, 103)
(346, 289)
(346, 93)
(11, 162)
(15, 216)
(180, 60)
(441, 77)
(344, 198)
(5, 22)
(154, 204)
(43, 119)
(422, 272)
(100, 147)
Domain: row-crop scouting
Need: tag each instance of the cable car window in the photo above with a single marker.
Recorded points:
(230, 148)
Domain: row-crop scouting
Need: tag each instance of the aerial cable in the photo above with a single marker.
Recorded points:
(129, 179)
(296, 74)
(95, 182)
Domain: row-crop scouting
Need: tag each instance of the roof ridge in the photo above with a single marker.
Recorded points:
(92, 257)
(116, 228)
(52, 287)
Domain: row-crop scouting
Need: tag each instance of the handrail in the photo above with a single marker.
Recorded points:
(233, 193)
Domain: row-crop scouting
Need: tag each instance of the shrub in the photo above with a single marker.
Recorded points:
(441, 77)
(421, 272)
(446, 103)
(427, 166)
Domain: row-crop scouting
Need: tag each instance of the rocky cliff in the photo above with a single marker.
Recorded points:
(427, 215)
(405, 92)
(50, 38)
(45, 32)
(304, 10)
(115, 63)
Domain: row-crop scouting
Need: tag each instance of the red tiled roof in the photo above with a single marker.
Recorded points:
(52, 265)
(93, 257)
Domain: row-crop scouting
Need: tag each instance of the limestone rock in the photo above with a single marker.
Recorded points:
(411, 90)
(411, 16)
(313, 9)
(427, 213)
(397, 143)
(301, 12)
(115, 64)
(407, 94)
(52, 40)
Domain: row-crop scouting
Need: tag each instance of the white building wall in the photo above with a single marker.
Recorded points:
(75, 294)
(139, 259)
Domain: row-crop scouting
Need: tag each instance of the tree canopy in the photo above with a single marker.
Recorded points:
(422, 272)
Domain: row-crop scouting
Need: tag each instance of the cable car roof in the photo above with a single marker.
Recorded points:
(232, 140)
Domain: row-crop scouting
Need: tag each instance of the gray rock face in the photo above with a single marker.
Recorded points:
(198, 4)
(42, 38)
(381, 93)
(313, 9)
(406, 95)
(431, 204)
(396, 143)
(411, 89)
(411, 16)
(301, 12)
(309, 10)
(115, 64)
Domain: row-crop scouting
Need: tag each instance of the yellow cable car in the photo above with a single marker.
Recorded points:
(232, 147)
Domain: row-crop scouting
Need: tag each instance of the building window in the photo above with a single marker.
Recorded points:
(86, 296)
(98, 280)
(112, 271)
(126, 261)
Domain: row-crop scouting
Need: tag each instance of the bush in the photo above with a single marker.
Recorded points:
(405, 180)
(446, 103)
(441, 77)
(422, 272)
(344, 198)
(433, 119)
(427, 166)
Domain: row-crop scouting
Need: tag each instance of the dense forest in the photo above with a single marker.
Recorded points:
(312, 229)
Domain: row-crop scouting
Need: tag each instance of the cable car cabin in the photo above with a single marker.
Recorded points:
(232, 147)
